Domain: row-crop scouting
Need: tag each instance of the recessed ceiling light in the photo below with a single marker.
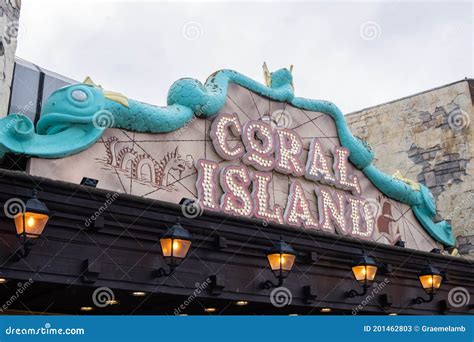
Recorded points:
(112, 302)
(241, 303)
(392, 314)
(138, 294)
(87, 308)
(3, 280)
(210, 310)
(326, 310)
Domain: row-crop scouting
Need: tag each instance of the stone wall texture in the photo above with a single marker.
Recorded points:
(429, 138)
(9, 16)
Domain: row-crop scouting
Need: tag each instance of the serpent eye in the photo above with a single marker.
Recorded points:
(79, 95)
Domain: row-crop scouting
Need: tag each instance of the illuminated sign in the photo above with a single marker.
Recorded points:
(257, 150)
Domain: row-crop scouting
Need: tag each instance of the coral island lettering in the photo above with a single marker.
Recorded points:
(258, 148)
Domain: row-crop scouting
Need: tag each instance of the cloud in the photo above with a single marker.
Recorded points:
(141, 48)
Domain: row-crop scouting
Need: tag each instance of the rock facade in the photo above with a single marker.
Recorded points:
(429, 138)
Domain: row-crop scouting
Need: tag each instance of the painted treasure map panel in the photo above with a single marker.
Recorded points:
(163, 166)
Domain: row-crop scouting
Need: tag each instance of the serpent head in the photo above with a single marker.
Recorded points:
(66, 125)
(74, 104)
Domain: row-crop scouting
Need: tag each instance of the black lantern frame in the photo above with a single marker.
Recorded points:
(176, 234)
(365, 283)
(282, 249)
(433, 272)
(32, 207)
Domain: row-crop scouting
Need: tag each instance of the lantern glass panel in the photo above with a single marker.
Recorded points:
(175, 247)
(363, 273)
(34, 224)
(281, 261)
(431, 282)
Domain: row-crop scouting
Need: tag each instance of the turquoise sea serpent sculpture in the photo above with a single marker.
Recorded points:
(74, 118)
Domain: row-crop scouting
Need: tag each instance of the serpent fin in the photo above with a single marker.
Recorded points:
(89, 81)
(267, 75)
(414, 185)
(117, 97)
(111, 95)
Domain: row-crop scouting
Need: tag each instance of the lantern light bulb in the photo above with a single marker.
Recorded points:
(31, 221)
(175, 245)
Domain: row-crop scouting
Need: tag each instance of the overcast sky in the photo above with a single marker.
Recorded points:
(356, 54)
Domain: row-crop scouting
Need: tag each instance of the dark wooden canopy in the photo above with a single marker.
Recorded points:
(121, 251)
